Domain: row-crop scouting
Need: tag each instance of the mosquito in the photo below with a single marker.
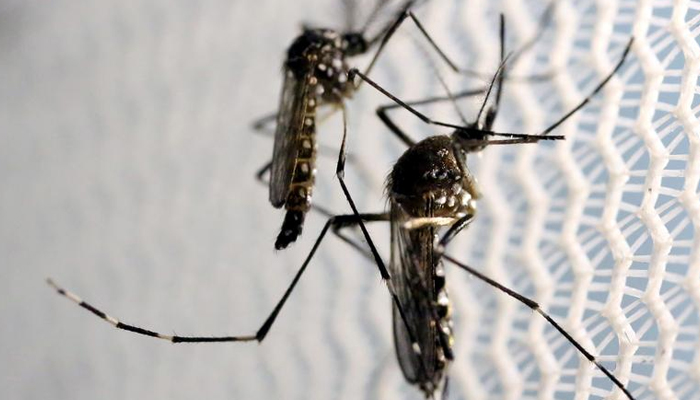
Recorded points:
(431, 193)
(315, 74)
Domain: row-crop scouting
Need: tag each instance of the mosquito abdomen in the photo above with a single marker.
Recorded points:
(291, 228)
(299, 197)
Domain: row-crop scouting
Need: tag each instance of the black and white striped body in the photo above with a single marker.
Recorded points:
(315, 75)
(429, 188)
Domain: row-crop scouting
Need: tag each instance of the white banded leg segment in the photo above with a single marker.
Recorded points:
(141, 331)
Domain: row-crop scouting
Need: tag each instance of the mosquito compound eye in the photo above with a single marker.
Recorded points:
(355, 43)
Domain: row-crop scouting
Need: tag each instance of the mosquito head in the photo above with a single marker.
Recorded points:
(431, 171)
(355, 43)
(470, 139)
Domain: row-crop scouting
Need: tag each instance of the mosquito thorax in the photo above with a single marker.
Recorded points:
(431, 170)
(321, 54)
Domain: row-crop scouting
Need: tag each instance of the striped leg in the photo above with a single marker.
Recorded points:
(341, 220)
(336, 222)
(146, 332)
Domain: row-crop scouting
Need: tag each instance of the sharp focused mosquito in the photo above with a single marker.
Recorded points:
(430, 190)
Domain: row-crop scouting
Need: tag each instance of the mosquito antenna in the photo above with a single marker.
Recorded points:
(502, 38)
(499, 72)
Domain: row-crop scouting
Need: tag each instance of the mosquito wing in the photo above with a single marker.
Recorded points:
(412, 270)
(290, 120)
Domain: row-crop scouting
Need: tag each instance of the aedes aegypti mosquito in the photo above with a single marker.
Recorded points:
(315, 74)
(430, 189)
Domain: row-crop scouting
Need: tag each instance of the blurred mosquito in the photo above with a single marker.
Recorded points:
(315, 74)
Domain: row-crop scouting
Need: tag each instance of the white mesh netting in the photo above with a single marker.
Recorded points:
(127, 174)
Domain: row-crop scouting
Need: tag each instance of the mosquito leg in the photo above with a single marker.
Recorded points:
(355, 245)
(338, 220)
(351, 220)
(544, 22)
(594, 92)
(354, 72)
(261, 124)
(340, 173)
(468, 131)
(454, 230)
(437, 99)
(385, 35)
(261, 127)
(394, 27)
(260, 175)
(338, 231)
(536, 308)
(379, 5)
(398, 132)
(142, 331)
(382, 111)
(340, 224)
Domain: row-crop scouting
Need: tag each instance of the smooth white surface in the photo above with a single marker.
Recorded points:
(127, 163)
